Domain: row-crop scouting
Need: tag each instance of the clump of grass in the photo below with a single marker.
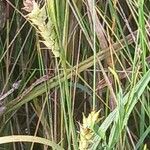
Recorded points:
(53, 90)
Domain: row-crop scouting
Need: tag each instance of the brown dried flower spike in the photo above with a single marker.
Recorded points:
(28, 5)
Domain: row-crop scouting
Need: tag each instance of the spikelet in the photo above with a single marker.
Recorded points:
(86, 132)
(38, 17)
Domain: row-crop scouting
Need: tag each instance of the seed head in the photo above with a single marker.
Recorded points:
(86, 130)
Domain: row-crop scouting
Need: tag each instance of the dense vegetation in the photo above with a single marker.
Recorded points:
(74, 74)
